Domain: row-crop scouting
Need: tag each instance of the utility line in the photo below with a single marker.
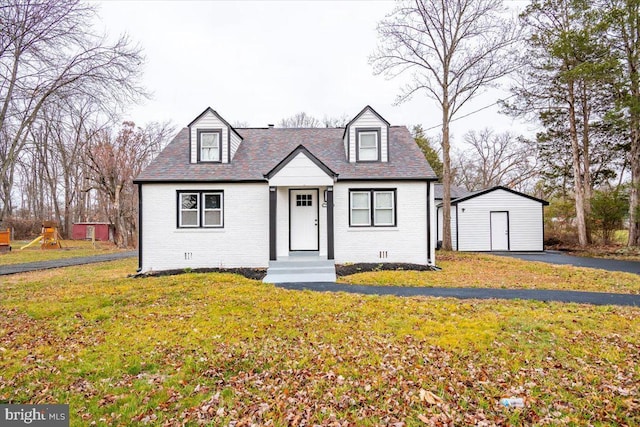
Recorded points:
(471, 113)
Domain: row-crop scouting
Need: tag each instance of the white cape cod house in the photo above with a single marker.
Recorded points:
(219, 197)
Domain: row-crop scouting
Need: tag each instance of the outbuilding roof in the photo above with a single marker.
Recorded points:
(489, 190)
(455, 191)
(262, 149)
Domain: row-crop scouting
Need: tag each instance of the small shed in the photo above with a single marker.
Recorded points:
(85, 230)
(496, 219)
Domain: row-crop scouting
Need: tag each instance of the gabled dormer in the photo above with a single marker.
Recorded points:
(366, 137)
(212, 139)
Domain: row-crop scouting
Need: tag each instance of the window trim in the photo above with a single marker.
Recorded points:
(220, 209)
(199, 137)
(201, 209)
(393, 207)
(181, 210)
(351, 193)
(378, 133)
(372, 208)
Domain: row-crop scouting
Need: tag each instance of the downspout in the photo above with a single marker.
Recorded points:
(330, 236)
(429, 261)
(457, 229)
(273, 198)
(139, 227)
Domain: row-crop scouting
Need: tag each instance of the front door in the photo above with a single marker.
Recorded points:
(499, 231)
(303, 220)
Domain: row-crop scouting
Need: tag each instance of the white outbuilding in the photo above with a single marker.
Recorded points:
(495, 219)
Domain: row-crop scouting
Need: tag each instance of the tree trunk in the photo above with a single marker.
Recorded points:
(633, 65)
(446, 178)
(577, 172)
(586, 159)
(68, 200)
(118, 236)
(634, 196)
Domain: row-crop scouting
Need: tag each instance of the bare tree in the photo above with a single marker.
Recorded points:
(452, 50)
(495, 159)
(335, 121)
(114, 161)
(48, 52)
(238, 124)
(300, 120)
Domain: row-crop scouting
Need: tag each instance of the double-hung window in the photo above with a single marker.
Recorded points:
(198, 209)
(368, 145)
(383, 208)
(209, 145)
(212, 209)
(361, 208)
(375, 208)
(189, 214)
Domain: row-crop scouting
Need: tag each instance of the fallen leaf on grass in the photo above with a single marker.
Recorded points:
(428, 397)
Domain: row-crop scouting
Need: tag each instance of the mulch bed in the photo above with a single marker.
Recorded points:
(260, 273)
(249, 273)
(348, 269)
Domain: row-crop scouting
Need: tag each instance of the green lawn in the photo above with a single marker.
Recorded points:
(217, 348)
(70, 249)
(491, 271)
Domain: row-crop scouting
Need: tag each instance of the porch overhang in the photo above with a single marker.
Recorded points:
(301, 168)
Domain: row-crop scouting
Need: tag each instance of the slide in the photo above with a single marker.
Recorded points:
(36, 240)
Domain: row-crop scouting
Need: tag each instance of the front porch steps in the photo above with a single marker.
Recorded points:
(304, 267)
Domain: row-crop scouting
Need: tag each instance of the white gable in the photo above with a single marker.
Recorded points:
(367, 120)
(209, 121)
(299, 172)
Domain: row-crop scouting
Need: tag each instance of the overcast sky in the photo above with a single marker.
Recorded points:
(258, 62)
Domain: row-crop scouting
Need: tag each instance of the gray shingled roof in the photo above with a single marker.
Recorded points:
(455, 192)
(262, 149)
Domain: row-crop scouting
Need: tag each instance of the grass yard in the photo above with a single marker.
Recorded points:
(70, 249)
(220, 349)
(490, 271)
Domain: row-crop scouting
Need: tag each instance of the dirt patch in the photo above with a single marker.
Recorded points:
(249, 273)
(348, 269)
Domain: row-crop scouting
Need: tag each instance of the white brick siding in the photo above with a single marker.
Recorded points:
(406, 242)
(243, 242)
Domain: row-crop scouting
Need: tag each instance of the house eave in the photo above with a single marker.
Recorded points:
(199, 181)
(415, 179)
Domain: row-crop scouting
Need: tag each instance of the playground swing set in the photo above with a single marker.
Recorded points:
(49, 237)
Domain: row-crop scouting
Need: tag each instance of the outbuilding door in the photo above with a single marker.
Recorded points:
(303, 220)
(499, 231)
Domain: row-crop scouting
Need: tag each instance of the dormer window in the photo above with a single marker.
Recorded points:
(209, 146)
(368, 145)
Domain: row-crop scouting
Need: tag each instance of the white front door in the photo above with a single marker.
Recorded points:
(499, 231)
(303, 220)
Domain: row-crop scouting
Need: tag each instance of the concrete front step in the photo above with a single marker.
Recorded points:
(300, 269)
(300, 278)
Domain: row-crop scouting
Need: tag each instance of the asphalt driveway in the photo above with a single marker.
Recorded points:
(554, 257)
(595, 298)
(64, 262)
